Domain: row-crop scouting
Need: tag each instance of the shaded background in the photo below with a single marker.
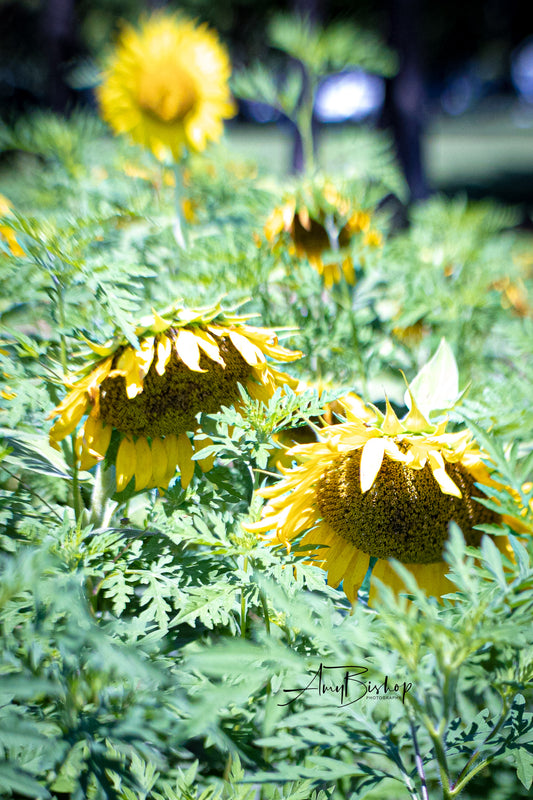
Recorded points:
(460, 107)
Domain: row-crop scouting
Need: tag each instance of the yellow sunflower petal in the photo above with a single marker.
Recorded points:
(274, 224)
(125, 463)
(188, 350)
(348, 271)
(159, 463)
(248, 350)
(101, 436)
(70, 416)
(172, 450)
(185, 462)
(99, 349)
(371, 461)
(164, 351)
(143, 463)
(208, 344)
(303, 216)
(128, 367)
(436, 463)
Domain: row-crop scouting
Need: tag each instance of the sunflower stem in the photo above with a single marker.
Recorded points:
(470, 769)
(101, 506)
(440, 755)
(343, 300)
(180, 229)
(243, 602)
(76, 493)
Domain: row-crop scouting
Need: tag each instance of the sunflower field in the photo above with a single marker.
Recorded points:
(266, 452)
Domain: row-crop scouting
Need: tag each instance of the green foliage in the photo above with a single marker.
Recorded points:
(325, 50)
(148, 640)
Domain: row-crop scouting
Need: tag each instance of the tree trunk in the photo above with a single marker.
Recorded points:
(406, 95)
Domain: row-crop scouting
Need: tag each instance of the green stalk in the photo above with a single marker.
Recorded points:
(469, 771)
(343, 299)
(243, 603)
(76, 494)
(440, 755)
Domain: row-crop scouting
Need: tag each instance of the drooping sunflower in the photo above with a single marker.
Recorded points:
(167, 86)
(380, 490)
(317, 219)
(147, 399)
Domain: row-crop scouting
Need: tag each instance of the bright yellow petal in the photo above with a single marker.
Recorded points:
(249, 351)
(143, 463)
(436, 463)
(128, 366)
(159, 463)
(371, 461)
(185, 462)
(303, 216)
(70, 416)
(208, 344)
(274, 224)
(99, 349)
(101, 436)
(145, 355)
(172, 450)
(188, 350)
(125, 463)
(164, 351)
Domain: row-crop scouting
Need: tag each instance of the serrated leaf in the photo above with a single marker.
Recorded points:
(523, 760)
(493, 560)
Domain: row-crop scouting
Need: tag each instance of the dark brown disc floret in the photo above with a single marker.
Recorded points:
(404, 515)
(170, 402)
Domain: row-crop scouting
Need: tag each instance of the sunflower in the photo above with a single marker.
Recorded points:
(146, 400)
(7, 233)
(318, 219)
(380, 490)
(167, 86)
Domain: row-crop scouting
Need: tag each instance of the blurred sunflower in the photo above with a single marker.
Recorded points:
(167, 86)
(380, 490)
(318, 219)
(7, 233)
(189, 361)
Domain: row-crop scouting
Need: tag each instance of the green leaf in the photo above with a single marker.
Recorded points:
(33, 452)
(12, 778)
(523, 760)
(493, 560)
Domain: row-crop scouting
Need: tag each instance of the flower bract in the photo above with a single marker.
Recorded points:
(189, 361)
(167, 86)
